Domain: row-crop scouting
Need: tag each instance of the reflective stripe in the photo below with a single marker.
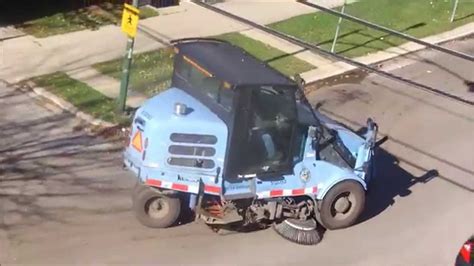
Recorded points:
(179, 187)
(212, 189)
(276, 193)
(173, 186)
(287, 192)
(299, 191)
(152, 182)
(217, 190)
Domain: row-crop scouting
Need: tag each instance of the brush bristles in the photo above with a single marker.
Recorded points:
(303, 237)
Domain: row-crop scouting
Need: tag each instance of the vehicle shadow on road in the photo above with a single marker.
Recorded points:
(390, 181)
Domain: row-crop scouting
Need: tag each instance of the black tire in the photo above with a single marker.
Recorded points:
(342, 205)
(156, 210)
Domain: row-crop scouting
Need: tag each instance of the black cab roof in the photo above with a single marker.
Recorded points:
(229, 63)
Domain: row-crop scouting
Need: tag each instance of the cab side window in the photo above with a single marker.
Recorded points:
(196, 78)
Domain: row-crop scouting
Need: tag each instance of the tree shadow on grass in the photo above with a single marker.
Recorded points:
(463, 17)
(353, 46)
(18, 12)
(21, 11)
(304, 49)
(374, 38)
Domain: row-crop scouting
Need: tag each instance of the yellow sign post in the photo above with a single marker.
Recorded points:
(130, 20)
(129, 26)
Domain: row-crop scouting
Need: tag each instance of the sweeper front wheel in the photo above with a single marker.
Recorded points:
(342, 205)
(156, 210)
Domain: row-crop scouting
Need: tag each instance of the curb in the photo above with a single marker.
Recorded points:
(66, 106)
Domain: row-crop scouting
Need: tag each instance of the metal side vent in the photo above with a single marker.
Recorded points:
(193, 138)
(192, 150)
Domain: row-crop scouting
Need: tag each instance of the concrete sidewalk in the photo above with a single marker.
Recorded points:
(74, 53)
(27, 56)
(106, 85)
(9, 32)
(274, 10)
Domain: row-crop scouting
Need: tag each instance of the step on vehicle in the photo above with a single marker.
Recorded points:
(237, 142)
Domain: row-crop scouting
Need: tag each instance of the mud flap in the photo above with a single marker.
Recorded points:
(229, 217)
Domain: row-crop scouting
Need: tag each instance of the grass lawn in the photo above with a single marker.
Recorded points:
(151, 71)
(80, 95)
(91, 17)
(419, 18)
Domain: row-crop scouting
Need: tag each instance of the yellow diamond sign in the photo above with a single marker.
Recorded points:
(130, 20)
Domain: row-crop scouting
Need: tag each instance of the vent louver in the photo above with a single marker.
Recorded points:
(192, 150)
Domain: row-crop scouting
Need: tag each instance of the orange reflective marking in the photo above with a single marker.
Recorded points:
(227, 85)
(198, 67)
(137, 141)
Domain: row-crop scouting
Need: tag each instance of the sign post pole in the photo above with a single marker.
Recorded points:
(333, 47)
(129, 26)
(453, 14)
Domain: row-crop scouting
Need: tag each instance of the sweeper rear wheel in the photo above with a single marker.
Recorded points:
(154, 209)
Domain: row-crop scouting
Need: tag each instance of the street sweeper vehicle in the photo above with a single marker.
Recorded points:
(237, 143)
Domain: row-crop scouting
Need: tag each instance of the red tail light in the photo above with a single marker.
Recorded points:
(466, 252)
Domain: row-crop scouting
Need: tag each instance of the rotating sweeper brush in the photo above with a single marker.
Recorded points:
(304, 232)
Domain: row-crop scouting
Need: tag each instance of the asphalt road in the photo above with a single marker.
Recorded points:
(64, 198)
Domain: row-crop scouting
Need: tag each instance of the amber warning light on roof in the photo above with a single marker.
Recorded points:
(137, 141)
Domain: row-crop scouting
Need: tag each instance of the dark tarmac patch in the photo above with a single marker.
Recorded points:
(470, 85)
(346, 95)
(353, 77)
(340, 95)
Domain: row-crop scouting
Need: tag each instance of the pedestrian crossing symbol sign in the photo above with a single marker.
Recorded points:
(130, 20)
